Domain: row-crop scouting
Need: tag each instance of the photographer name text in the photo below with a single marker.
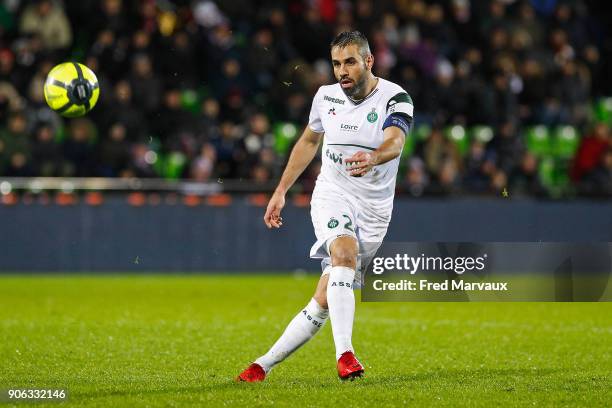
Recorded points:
(427, 286)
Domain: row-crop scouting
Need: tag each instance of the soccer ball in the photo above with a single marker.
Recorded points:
(71, 89)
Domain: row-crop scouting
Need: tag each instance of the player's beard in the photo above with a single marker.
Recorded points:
(356, 92)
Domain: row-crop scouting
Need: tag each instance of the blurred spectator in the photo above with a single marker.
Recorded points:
(111, 16)
(598, 182)
(416, 180)
(47, 20)
(524, 179)
(479, 168)
(146, 86)
(178, 62)
(591, 150)
(508, 146)
(143, 161)
(171, 120)
(78, 149)
(256, 141)
(113, 152)
(202, 168)
(122, 109)
(229, 149)
(15, 149)
(46, 154)
(8, 70)
(38, 112)
(448, 180)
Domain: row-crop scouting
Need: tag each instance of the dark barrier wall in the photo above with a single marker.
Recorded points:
(118, 237)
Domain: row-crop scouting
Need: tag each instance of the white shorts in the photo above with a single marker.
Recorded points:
(335, 214)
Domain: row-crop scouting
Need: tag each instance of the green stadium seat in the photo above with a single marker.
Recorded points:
(562, 179)
(554, 176)
(566, 140)
(174, 164)
(60, 133)
(482, 133)
(603, 110)
(421, 132)
(459, 136)
(546, 173)
(538, 140)
(285, 134)
(190, 101)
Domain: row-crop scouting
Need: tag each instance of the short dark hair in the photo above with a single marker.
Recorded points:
(346, 38)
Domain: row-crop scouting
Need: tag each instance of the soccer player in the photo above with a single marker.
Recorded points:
(363, 121)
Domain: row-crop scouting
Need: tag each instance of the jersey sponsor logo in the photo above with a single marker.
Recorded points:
(333, 223)
(372, 116)
(336, 158)
(334, 100)
(349, 128)
(332, 111)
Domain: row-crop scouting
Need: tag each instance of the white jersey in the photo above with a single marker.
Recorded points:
(350, 127)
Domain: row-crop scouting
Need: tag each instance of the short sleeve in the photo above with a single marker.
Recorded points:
(314, 120)
(401, 103)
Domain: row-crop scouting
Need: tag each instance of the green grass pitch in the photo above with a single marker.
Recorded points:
(160, 340)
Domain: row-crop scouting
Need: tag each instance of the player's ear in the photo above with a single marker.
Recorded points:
(369, 61)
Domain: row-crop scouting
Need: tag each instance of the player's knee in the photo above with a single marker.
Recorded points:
(321, 298)
(344, 252)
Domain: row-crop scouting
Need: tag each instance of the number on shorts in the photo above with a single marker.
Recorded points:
(349, 224)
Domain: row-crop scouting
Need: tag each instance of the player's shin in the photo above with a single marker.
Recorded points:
(301, 329)
(341, 303)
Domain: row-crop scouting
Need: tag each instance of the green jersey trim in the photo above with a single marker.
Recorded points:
(400, 103)
(349, 144)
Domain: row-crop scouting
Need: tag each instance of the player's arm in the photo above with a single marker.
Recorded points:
(395, 130)
(390, 149)
(301, 155)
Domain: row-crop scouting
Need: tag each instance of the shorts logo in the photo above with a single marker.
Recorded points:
(372, 116)
(333, 223)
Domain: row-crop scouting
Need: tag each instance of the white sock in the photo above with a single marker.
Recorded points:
(341, 303)
(301, 329)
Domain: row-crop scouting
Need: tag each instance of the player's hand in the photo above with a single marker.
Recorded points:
(360, 163)
(272, 217)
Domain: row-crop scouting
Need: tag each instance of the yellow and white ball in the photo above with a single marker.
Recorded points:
(71, 89)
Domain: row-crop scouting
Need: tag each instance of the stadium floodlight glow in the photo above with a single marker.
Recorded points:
(540, 132)
(150, 157)
(457, 132)
(289, 130)
(567, 132)
(5, 188)
(67, 187)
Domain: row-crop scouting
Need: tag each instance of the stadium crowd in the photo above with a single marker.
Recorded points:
(201, 89)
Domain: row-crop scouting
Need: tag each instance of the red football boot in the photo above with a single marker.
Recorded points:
(349, 367)
(253, 373)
